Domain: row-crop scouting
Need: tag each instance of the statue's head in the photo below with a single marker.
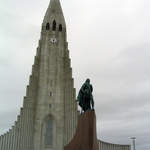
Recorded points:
(88, 81)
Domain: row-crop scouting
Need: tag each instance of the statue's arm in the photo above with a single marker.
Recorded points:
(83, 88)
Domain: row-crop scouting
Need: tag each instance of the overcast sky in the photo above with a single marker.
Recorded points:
(109, 42)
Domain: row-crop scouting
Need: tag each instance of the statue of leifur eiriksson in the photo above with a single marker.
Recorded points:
(85, 97)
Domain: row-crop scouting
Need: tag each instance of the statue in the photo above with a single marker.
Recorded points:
(85, 97)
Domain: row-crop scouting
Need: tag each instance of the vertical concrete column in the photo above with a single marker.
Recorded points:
(99, 145)
(0, 142)
(14, 137)
(65, 91)
(76, 111)
(31, 128)
(120, 147)
(6, 141)
(27, 128)
(4, 138)
(11, 139)
(113, 147)
(102, 146)
(22, 128)
(68, 111)
(67, 108)
(24, 136)
(21, 131)
(71, 110)
(30, 125)
(8, 138)
(18, 133)
(30, 131)
(73, 104)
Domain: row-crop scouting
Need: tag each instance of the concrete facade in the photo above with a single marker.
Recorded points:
(49, 108)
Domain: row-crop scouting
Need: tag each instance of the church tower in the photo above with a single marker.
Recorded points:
(55, 112)
(48, 118)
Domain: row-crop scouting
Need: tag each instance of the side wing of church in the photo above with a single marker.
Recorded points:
(49, 115)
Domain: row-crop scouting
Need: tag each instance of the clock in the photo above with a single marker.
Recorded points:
(53, 40)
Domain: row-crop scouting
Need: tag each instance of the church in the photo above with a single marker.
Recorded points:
(49, 116)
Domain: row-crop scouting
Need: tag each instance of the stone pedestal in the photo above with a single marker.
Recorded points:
(85, 137)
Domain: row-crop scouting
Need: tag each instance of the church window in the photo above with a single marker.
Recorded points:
(60, 27)
(48, 136)
(50, 94)
(47, 26)
(54, 25)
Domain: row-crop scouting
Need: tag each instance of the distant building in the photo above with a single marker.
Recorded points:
(49, 115)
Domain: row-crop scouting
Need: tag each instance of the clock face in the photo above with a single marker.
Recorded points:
(53, 40)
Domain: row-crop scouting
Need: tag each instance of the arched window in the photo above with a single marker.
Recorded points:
(48, 133)
(47, 26)
(54, 25)
(60, 27)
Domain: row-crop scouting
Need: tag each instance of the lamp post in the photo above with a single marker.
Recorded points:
(133, 141)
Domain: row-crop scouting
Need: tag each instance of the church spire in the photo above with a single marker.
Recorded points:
(54, 15)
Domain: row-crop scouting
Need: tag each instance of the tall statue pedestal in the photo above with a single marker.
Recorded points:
(85, 137)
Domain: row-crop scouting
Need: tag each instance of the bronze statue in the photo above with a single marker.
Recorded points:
(85, 97)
